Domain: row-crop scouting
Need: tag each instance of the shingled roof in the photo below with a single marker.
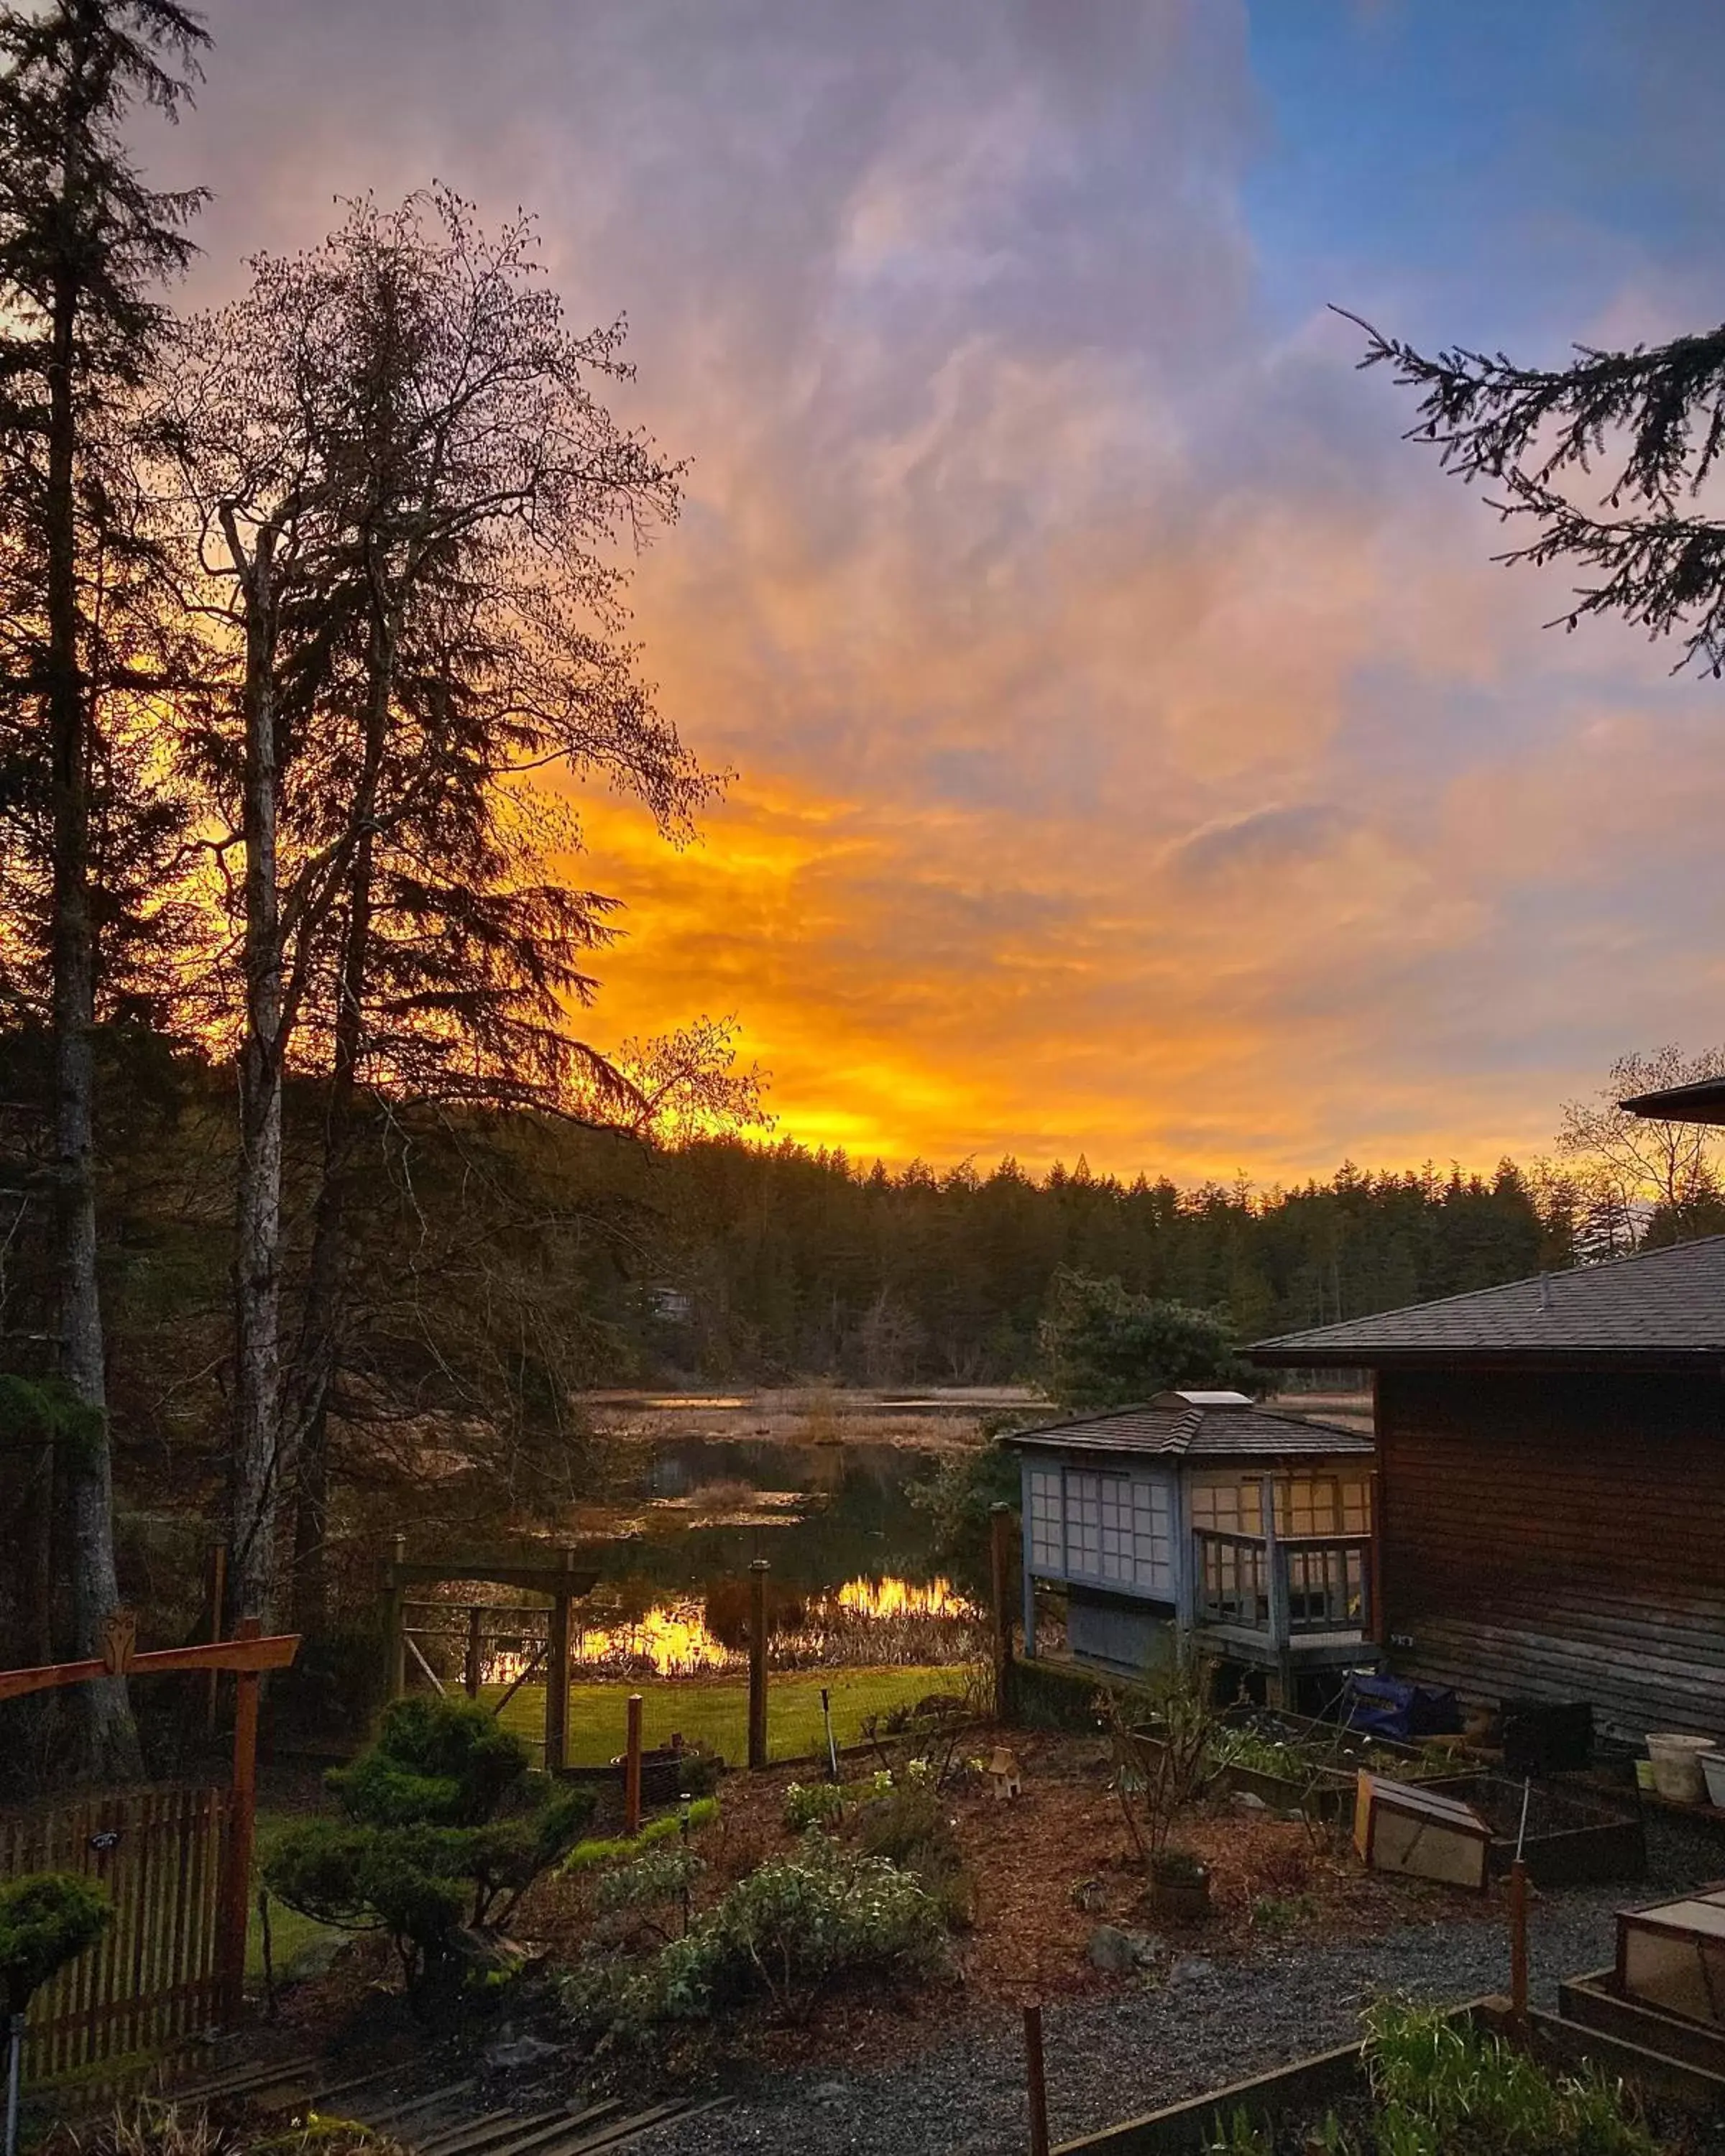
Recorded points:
(1199, 1427)
(1664, 1306)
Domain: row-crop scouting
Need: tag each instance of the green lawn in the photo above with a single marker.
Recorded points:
(714, 1710)
(292, 1936)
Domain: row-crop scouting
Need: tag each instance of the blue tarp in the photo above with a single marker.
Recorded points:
(1392, 1707)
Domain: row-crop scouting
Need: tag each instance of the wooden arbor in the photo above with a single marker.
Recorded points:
(248, 1655)
(560, 1574)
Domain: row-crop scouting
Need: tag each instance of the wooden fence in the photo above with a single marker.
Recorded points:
(153, 1978)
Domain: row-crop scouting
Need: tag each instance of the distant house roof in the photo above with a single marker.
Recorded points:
(1196, 1426)
(1702, 1102)
(1663, 1307)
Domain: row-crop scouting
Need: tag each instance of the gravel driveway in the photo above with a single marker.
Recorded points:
(1205, 2025)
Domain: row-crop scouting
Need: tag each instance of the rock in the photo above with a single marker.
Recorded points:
(830, 2093)
(1116, 1952)
(1189, 1967)
(1244, 1801)
(522, 2054)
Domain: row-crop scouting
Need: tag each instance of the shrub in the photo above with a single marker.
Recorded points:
(47, 1918)
(424, 1853)
(664, 1875)
(908, 1827)
(798, 1926)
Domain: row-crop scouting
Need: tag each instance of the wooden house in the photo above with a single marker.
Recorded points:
(1201, 1517)
(1550, 1497)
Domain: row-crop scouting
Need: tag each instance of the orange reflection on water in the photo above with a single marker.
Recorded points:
(902, 1597)
(672, 1636)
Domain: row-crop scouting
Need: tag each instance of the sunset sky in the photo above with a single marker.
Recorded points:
(1139, 754)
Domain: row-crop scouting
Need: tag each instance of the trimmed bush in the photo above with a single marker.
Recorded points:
(47, 1918)
(424, 1854)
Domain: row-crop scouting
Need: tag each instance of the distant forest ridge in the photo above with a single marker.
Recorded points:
(782, 1260)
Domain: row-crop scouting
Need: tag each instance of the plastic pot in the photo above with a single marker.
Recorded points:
(1677, 1765)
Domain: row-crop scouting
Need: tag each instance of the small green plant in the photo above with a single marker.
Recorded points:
(812, 1804)
(447, 1828)
(1177, 1867)
(1240, 2134)
(47, 1919)
(617, 1849)
(1277, 1915)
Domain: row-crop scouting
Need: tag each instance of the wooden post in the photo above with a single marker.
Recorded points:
(556, 1678)
(1378, 1633)
(757, 1662)
(1000, 1585)
(242, 1835)
(217, 1611)
(1518, 1942)
(476, 1651)
(632, 1768)
(1277, 1580)
(395, 1621)
(1037, 2087)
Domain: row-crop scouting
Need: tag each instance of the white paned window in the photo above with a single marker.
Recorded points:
(1153, 1537)
(1228, 1508)
(1323, 1505)
(1048, 1538)
(1117, 1519)
(1084, 1524)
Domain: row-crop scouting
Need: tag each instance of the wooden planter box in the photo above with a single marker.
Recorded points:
(1331, 2078)
(1572, 1840)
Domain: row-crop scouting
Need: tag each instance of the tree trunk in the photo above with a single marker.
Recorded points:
(255, 1479)
(318, 1348)
(109, 1742)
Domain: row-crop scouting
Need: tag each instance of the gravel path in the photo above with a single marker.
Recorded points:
(1204, 2025)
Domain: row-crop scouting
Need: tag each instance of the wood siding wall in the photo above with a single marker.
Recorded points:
(1559, 1537)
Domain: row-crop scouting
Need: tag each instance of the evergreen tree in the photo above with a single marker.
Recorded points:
(84, 245)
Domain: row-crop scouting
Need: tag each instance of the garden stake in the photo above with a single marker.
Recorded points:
(269, 1955)
(14, 2075)
(757, 1662)
(632, 1770)
(1518, 1919)
(685, 1800)
(1037, 2089)
(826, 1716)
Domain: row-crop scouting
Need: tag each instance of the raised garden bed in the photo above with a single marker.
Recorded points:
(1295, 1764)
(1571, 1841)
(1283, 2103)
(1594, 2002)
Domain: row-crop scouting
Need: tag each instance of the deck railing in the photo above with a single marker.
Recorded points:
(1286, 1590)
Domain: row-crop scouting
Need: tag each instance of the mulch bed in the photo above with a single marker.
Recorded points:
(1272, 1881)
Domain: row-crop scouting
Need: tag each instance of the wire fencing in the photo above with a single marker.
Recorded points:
(845, 1664)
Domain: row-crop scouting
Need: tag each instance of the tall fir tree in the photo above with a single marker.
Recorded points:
(85, 248)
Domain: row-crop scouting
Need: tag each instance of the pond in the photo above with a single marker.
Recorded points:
(683, 1515)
